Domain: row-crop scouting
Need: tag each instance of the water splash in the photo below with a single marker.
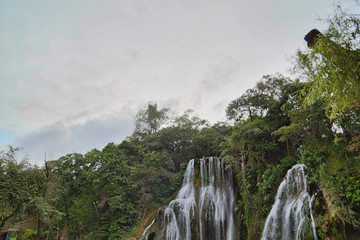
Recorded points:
(289, 216)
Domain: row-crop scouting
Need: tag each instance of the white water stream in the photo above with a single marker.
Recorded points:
(203, 209)
(291, 215)
(206, 211)
(146, 231)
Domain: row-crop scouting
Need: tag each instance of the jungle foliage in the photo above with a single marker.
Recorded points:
(315, 120)
(104, 193)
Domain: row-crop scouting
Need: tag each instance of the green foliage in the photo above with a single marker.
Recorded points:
(31, 234)
(102, 194)
(284, 129)
(209, 140)
(258, 101)
(332, 67)
(97, 186)
(351, 191)
(46, 213)
(249, 206)
(273, 177)
(21, 189)
(149, 120)
(344, 199)
(253, 139)
(252, 103)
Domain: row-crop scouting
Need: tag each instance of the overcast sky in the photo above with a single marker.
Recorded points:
(74, 74)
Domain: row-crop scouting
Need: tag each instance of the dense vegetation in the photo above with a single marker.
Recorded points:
(106, 194)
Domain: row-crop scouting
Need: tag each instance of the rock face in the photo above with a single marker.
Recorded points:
(312, 37)
(203, 208)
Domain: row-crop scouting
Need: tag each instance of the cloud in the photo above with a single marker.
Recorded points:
(56, 141)
(224, 72)
(140, 51)
(68, 67)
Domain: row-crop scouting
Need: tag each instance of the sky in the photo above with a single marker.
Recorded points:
(74, 74)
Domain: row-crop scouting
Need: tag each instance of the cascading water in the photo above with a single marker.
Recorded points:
(146, 231)
(313, 226)
(290, 216)
(179, 212)
(216, 202)
(204, 211)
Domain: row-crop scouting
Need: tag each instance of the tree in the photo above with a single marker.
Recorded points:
(71, 172)
(332, 66)
(22, 189)
(208, 142)
(40, 209)
(308, 125)
(179, 137)
(119, 198)
(149, 120)
(13, 193)
(252, 103)
(257, 101)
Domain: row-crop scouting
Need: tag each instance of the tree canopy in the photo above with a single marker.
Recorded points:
(150, 119)
(332, 66)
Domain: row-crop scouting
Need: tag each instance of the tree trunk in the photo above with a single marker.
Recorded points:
(344, 230)
(249, 198)
(250, 115)
(262, 159)
(57, 233)
(83, 229)
(38, 229)
(287, 147)
(7, 220)
(243, 169)
(65, 233)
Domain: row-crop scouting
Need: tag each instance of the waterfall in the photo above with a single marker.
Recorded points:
(179, 212)
(146, 231)
(204, 211)
(290, 216)
(216, 202)
(313, 226)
